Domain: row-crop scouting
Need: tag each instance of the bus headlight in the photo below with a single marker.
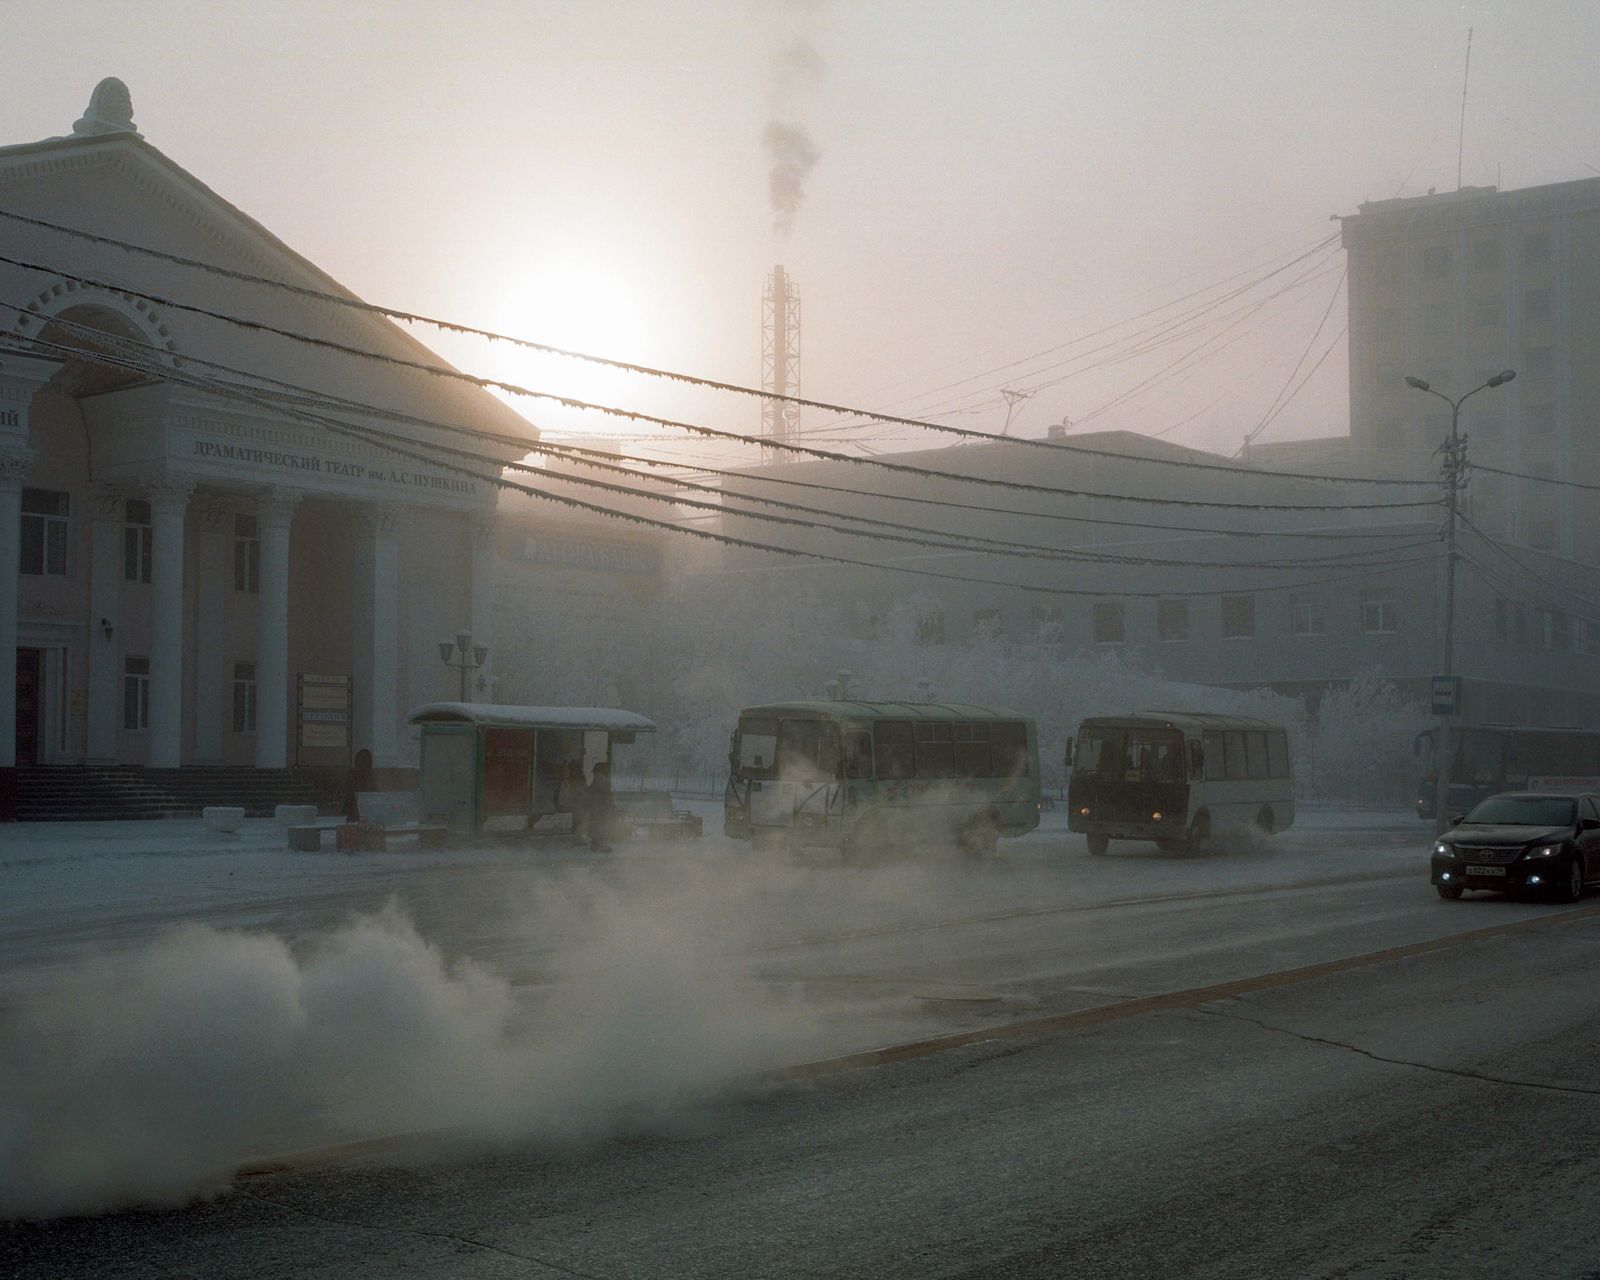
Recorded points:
(1084, 811)
(1545, 851)
(1156, 816)
(1444, 850)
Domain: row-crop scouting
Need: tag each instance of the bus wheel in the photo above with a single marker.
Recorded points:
(981, 837)
(1264, 821)
(1195, 839)
(1099, 842)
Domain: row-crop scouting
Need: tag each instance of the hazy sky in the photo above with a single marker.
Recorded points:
(993, 179)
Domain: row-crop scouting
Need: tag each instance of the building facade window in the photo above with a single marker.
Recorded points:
(135, 694)
(46, 519)
(1306, 616)
(1540, 362)
(986, 624)
(1172, 619)
(1487, 255)
(1536, 306)
(1378, 613)
(1536, 248)
(1109, 625)
(138, 541)
(1542, 418)
(930, 627)
(1436, 262)
(246, 554)
(244, 697)
(1238, 617)
(1049, 623)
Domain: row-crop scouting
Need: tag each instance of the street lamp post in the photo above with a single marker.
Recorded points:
(472, 657)
(1453, 470)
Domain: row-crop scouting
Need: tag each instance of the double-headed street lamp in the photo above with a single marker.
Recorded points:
(1453, 470)
(472, 657)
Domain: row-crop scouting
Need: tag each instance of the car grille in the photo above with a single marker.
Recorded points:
(1487, 857)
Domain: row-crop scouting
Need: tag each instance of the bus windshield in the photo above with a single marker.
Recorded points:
(1131, 755)
(799, 750)
(758, 748)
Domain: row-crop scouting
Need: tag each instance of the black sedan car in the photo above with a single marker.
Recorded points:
(1541, 841)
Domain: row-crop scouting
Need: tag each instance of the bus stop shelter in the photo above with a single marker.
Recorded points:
(488, 768)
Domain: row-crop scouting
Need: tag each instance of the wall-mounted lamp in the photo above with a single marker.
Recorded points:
(107, 627)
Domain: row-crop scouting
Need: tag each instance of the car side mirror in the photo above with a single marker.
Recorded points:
(1067, 759)
(1589, 824)
(1456, 819)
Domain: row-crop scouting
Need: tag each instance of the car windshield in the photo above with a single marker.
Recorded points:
(1523, 811)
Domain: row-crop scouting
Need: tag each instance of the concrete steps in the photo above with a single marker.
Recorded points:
(103, 793)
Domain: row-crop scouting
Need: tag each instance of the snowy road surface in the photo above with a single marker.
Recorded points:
(1428, 1113)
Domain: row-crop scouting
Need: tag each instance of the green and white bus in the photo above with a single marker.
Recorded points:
(865, 775)
(1177, 779)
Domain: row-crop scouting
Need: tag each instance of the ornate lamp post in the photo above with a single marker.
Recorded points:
(471, 657)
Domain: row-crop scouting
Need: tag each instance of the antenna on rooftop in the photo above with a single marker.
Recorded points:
(1461, 136)
(1013, 399)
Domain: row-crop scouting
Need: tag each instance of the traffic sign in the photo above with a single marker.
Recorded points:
(1446, 695)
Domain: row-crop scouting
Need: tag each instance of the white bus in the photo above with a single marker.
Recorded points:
(1177, 778)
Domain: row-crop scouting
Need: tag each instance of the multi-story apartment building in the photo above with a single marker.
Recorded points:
(1453, 287)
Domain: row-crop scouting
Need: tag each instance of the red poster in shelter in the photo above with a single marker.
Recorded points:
(507, 765)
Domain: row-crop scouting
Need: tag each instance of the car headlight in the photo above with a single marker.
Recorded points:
(1444, 850)
(1545, 851)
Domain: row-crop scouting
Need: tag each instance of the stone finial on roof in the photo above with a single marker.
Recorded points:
(110, 111)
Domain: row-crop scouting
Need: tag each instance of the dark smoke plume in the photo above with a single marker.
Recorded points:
(795, 69)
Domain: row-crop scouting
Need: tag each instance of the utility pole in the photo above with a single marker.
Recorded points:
(1452, 471)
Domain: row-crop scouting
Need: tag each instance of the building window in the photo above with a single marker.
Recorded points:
(1535, 248)
(1048, 623)
(986, 624)
(1486, 312)
(1542, 418)
(1487, 255)
(1109, 627)
(1536, 305)
(246, 554)
(1307, 616)
(1238, 617)
(1539, 361)
(135, 694)
(1377, 613)
(930, 627)
(244, 697)
(138, 541)
(1172, 620)
(1585, 637)
(1436, 262)
(44, 533)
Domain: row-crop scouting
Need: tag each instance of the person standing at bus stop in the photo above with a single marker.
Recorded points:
(600, 808)
(575, 797)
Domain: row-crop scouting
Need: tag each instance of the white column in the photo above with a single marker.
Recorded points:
(272, 646)
(169, 500)
(13, 464)
(376, 641)
(483, 601)
(212, 688)
(108, 507)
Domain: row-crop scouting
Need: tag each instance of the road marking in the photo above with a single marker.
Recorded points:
(1186, 999)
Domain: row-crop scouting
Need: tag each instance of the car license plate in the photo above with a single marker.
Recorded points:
(1486, 871)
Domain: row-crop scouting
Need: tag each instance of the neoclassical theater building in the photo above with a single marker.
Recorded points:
(222, 544)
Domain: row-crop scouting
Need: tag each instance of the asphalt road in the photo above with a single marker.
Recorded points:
(1296, 1069)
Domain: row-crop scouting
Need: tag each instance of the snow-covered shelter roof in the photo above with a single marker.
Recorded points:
(502, 717)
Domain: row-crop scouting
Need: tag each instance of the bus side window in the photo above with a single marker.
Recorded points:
(858, 754)
(1009, 741)
(972, 751)
(1238, 769)
(1216, 766)
(936, 757)
(1255, 746)
(891, 748)
(1278, 754)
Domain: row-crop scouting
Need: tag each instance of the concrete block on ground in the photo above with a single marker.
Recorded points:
(305, 839)
(295, 815)
(222, 817)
